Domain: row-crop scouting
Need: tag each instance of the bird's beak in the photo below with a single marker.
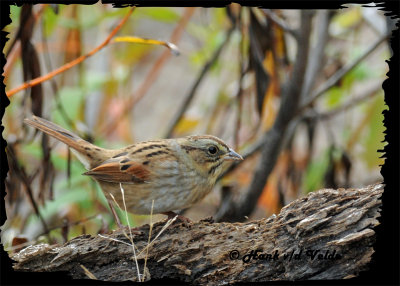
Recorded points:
(232, 156)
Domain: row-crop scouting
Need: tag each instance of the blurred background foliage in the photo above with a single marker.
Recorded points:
(228, 80)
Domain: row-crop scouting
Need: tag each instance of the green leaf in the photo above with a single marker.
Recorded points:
(68, 23)
(15, 11)
(360, 73)
(50, 21)
(32, 149)
(162, 14)
(71, 98)
(348, 18)
(89, 16)
(73, 195)
(94, 80)
(375, 135)
(315, 172)
(114, 13)
(334, 97)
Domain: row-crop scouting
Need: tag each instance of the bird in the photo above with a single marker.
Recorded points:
(157, 176)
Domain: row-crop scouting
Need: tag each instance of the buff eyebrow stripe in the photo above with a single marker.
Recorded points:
(149, 147)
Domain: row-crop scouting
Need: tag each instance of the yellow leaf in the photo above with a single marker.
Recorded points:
(130, 39)
(269, 108)
(186, 125)
(348, 18)
(280, 46)
(269, 63)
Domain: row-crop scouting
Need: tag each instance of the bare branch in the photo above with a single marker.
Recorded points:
(236, 211)
(345, 106)
(315, 58)
(281, 23)
(20, 172)
(335, 78)
(196, 84)
(70, 64)
(316, 54)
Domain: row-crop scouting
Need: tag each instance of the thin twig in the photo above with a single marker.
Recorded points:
(188, 99)
(316, 54)
(71, 64)
(152, 75)
(20, 172)
(12, 58)
(47, 62)
(345, 106)
(315, 59)
(337, 76)
(239, 93)
(69, 224)
(281, 23)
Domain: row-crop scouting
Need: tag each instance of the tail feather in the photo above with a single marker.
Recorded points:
(89, 154)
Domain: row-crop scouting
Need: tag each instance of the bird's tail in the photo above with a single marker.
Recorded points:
(89, 154)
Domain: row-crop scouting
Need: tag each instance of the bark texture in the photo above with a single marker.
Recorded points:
(326, 235)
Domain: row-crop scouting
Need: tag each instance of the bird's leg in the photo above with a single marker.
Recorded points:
(135, 230)
(114, 213)
(182, 218)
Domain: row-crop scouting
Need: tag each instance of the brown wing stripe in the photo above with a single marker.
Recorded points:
(149, 148)
(120, 154)
(156, 153)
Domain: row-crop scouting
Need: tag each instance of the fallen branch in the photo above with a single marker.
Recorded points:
(326, 235)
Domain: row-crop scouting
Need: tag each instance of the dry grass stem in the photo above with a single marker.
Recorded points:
(148, 241)
(130, 231)
(88, 273)
(169, 222)
(113, 239)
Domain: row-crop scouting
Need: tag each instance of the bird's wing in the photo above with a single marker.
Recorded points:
(121, 170)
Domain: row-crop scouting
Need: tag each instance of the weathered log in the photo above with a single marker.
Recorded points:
(326, 235)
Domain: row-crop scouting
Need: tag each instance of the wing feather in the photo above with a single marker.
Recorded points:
(122, 170)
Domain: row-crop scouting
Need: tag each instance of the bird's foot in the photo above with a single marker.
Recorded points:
(186, 221)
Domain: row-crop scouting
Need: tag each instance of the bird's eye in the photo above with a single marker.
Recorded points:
(212, 150)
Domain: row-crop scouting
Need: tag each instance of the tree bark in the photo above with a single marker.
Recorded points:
(327, 234)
